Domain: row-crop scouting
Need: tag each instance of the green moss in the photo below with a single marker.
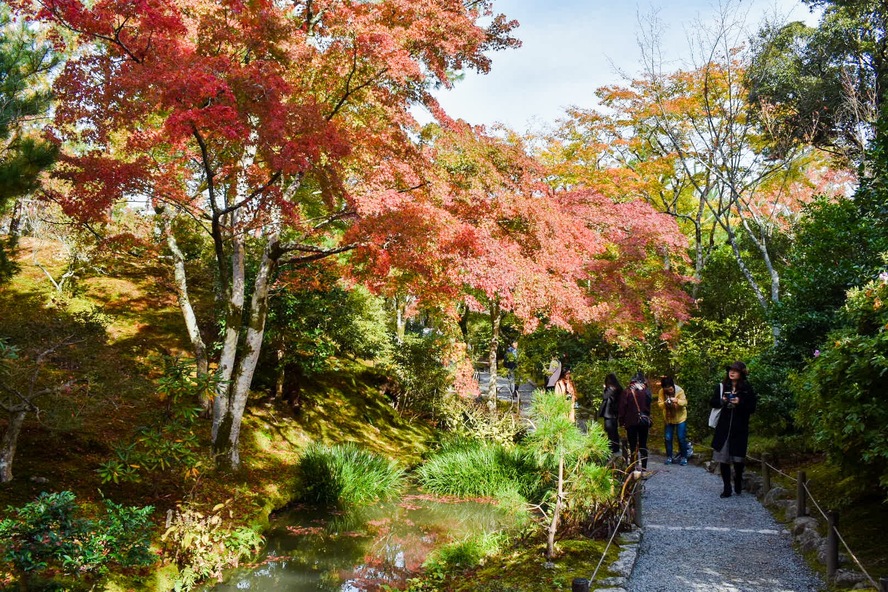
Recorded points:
(524, 569)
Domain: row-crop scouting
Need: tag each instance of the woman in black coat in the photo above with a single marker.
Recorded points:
(610, 409)
(736, 399)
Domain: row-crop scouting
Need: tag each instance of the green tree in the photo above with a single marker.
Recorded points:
(824, 85)
(25, 63)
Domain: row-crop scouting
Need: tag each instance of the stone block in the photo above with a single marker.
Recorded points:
(776, 494)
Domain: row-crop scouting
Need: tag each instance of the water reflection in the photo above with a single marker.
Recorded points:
(321, 551)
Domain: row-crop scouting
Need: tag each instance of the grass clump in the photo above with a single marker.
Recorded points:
(480, 469)
(469, 552)
(344, 475)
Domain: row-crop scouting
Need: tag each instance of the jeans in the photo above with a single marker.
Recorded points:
(682, 433)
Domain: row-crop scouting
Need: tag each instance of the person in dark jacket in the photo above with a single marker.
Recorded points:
(610, 410)
(736, 399)
(635, 403)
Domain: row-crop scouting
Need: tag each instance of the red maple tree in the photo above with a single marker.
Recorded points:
(269, 128)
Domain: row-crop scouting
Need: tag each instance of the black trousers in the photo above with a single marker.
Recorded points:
(638, 443)
(612, 429)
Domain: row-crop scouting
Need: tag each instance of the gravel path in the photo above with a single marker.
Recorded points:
(695, 540)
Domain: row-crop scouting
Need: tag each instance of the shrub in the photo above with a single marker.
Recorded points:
(471, 421)
(421, 379)
(203, 547)
(50, 533)
(466, 553)
(344, 475)
(840, 393)
(168, 441)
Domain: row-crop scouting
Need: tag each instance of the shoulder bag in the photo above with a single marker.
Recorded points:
(644, 420)
(716, 413)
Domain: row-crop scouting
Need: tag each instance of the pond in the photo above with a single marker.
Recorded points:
(311, 549)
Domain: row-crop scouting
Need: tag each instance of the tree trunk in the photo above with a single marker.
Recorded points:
(197, 343)
(8, 443)
(400, 319)
(16, 219)
(234, 296)
(495, 318)
(556, 514)
(226, 440)
(281, 377)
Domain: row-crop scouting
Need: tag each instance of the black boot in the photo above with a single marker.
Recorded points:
(738, 478)
(726, 478)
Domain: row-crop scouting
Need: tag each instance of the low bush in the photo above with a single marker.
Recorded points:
(51, 533)
(203, 546)
(344, 475)
(466, 553)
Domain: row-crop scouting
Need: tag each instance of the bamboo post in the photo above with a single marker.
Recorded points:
(580, 585)
(637, 498)
(832, 544)
(766, 473)
(801, 495)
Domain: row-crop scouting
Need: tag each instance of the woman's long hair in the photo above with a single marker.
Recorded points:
(611, 381)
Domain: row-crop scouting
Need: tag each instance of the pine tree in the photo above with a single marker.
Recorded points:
(25, 63)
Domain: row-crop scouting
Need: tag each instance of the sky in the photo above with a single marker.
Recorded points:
(572, 47)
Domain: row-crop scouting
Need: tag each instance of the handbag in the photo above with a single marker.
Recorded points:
(716, 413)
(644, 420)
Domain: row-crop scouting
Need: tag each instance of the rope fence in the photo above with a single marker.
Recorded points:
(833, 535)
(582, 584)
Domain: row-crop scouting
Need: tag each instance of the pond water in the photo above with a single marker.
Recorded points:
(322, 551)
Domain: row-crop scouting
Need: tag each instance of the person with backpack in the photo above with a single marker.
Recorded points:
(635, 416)
(674, 404)
(736, 399)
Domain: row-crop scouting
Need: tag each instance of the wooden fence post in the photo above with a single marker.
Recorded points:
(832, 544)
(766, 473)
(580, 585)
(637, 498)
(883, 585)
(801, 495)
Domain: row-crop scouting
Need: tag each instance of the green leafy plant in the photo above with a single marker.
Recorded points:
(421, 380)
(840, 392)
(51, 533)
(203, 545)
(345, 475)
(568, 460)
(168, 442)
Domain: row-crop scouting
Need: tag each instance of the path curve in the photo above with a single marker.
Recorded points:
(694, 540)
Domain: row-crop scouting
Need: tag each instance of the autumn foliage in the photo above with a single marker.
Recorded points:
(286, 134)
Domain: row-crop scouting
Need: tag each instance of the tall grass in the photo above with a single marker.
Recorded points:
(479, 469)
(344, 475)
